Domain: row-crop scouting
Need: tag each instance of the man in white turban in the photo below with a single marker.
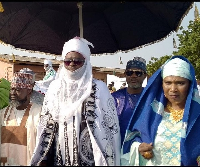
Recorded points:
(42, 85)
(79, 124)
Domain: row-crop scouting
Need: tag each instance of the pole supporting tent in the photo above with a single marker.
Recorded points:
(80, 4)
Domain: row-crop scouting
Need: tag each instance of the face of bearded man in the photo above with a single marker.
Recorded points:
(18, 96)
(134, 81)
(17, 103)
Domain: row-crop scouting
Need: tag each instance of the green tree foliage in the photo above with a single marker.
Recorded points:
(189, 47)
(155, 63)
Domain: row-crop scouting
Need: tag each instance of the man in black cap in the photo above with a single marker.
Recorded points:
(126, 98)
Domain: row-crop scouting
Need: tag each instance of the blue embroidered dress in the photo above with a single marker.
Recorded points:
(125, 104)
(167, 143)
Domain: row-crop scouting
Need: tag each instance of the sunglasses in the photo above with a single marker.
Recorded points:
(137, 73)
(75, 61)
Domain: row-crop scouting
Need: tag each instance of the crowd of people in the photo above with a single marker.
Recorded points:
(80, 121)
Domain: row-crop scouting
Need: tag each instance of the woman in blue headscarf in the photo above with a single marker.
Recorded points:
(165, 126)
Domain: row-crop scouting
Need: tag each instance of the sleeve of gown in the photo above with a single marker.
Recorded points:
(48, 104)
(45, 83)
(106, 104)
(131, 158)
(43, 116)
(42, 122)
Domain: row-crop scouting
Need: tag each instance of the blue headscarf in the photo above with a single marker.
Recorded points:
(147, 116)
(137, 62)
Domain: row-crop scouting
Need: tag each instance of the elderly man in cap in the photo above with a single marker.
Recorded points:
(19, 121)
(126, 98)
(79, 124)
(50, 75)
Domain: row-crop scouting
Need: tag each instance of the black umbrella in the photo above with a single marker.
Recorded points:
(110, 26)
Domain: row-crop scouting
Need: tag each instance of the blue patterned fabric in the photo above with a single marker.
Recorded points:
(148, 113)
(125, 104)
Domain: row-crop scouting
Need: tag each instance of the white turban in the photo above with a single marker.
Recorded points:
(48, 62)
(79, 45)
(176, 67)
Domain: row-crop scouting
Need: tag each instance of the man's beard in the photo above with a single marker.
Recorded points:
(17, 103)
(136, 86)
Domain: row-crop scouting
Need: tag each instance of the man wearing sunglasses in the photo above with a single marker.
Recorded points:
(79, 125)
(126, 98)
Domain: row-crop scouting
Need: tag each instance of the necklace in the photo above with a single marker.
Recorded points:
(175, 115)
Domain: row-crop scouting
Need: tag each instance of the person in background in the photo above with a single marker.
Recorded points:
(4, 92)
(42, 85)
(164, 130)
(79, 124)
(19, 121)
(113, 86)
(126, 99)
(110, 88)
(123, 85)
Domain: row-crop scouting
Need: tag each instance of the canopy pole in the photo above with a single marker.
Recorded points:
(79, 4)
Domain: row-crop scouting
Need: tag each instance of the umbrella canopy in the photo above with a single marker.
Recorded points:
(110, 26)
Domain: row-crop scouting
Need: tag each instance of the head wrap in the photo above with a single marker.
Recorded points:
(25, 78)
(79, 45)
(176, 67)
(137, 62)
(46, 61)
(49, 67)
